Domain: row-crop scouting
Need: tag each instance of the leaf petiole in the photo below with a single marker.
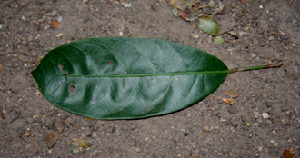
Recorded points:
(278, 64)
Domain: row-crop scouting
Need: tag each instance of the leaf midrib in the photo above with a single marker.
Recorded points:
(143, 75)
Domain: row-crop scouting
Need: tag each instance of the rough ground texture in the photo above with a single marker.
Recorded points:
(269, 99)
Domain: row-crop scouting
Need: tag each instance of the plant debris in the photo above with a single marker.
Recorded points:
(231, 93)
(32, 148)
(78, 143)
(59, 124)
(289, 153)
(227, 101)
(209, 26)
(219, 40)
(51, 139)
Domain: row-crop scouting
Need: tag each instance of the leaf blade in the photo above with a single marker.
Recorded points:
(106, 90)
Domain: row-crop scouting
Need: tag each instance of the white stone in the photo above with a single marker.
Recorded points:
(265, 115)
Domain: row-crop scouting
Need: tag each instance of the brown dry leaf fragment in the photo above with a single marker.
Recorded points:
(90, 119)
(231, 93)
(172, 2)
(32, 148)
(2, 113)
(227, 101)
(290, 2)
(193, 156)
(37, 61)
(51, 139)
(269, 62)
(206, 128)
(85, 1)
(292, 150)
(289, 153)
(59, 125)
(80, 142)
(183, 15)
(245, 2)
(0, 67)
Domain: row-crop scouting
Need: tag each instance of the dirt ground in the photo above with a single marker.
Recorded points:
(263, 121)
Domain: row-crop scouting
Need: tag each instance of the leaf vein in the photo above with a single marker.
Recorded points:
(111, 54)
(140, 52)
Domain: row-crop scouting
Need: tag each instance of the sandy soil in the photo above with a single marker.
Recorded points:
(268, 99)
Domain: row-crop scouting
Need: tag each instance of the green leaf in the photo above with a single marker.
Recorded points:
(127, 78)
(233, 33)
(219, 40)
(175, 11)
(209, 26)
(248, 124)
(186, 3)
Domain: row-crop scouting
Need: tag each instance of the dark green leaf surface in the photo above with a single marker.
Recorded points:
(127, 78)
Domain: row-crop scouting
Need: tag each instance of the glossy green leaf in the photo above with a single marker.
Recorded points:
(127, 78)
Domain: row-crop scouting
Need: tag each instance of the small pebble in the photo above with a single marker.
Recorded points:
(126, 30)
(46, 27)
(29, 120)
(22, 58)
(271, 38)
(188, 115)
(30, 38)
(242, 33)
(273, 132)
(195, 35)
(231, 110)
(265, 115)
(193, 145)
(177, 138)
(133, 127)
(290, 140)
(259, 121)
(211, 3)
(268, 121)
(256, 115)
(261, 6)
(94, 134)
(272, 141)
(230, 49)
(59, 19)
(137, 149)
(127, 5)
(89, 133)
(259, 148)
(18, 40)
(54, 13)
